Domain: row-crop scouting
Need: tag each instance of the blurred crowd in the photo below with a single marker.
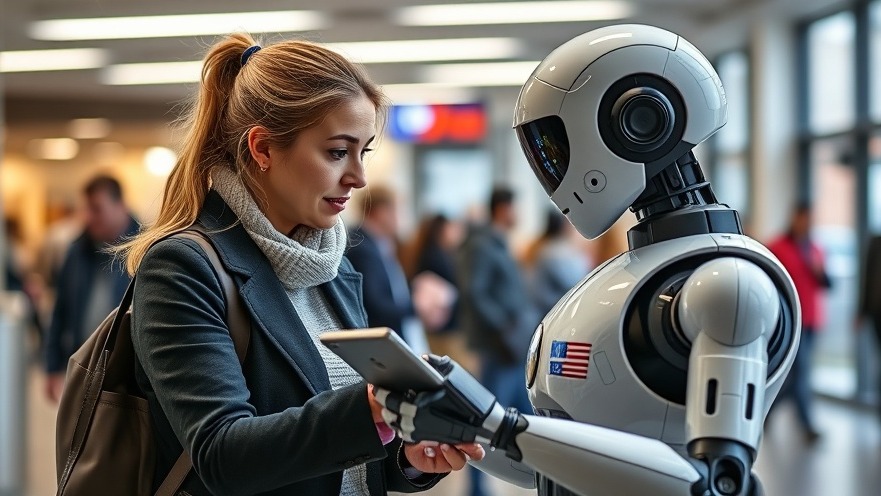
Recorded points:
(454, 287)
(457, 287)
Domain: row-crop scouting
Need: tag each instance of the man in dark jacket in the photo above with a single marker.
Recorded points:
(496, 313)
(91, 282)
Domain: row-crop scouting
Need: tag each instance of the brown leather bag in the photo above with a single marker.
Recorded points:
(104, 437)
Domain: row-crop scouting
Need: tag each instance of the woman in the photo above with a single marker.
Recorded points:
(274, 148)
(554, 264)
(430, 267)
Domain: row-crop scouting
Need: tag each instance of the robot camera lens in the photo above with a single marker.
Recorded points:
(644, 119)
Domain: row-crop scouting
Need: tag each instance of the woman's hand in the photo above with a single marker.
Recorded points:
(375, 406)
(432, 458)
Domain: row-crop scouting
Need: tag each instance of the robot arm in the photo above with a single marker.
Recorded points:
(584, 458)
(727, 310)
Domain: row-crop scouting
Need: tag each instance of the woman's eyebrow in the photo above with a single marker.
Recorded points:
(346, 137)
(350, 139)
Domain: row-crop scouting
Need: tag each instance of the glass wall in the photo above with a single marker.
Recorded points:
(840, 148)
(831, 45)
(730, 167)
(833, 179)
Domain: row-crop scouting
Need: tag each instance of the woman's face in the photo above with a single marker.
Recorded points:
(310, 181)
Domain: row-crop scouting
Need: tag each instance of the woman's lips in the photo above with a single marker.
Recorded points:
(339, 204)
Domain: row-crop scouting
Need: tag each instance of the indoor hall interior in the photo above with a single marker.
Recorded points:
(85, 96)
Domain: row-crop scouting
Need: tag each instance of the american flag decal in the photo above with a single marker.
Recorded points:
(570, 359)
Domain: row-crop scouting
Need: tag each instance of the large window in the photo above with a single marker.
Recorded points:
(874, 56)
(730, 169)
(831, 73)
(840, 148)
(834, 178)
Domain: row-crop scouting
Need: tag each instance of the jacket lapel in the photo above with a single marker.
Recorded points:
(263, 294)
(344, 295)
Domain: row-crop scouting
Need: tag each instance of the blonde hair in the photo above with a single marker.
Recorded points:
(286, 88)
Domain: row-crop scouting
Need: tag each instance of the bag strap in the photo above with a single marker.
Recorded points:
(239, 329)
(236, 318)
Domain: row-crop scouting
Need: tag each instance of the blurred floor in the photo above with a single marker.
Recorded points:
(41, 439)
(846, 461)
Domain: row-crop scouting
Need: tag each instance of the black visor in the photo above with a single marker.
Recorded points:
(546, 146)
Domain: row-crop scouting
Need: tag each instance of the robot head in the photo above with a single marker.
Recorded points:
(606, 111)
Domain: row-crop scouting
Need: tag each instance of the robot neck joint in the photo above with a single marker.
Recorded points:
(678, 185)
(677, 202)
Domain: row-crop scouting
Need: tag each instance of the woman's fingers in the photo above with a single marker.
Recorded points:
(453, 456)
(474, 450)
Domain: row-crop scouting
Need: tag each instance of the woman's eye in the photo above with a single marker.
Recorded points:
(365, 152)
(338, 154)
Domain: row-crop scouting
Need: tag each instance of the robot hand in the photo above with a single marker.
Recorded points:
(462, 411)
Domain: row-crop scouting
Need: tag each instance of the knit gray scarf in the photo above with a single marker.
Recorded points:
(307, 258)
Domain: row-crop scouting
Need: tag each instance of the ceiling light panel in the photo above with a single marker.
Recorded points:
(110, 28)
(426, 93)
(371, 52)
(153, 73)
(512, 13)
(52, 60)
(479, 74)
(53, 148)
(367, 52)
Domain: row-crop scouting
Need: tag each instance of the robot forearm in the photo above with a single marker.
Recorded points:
(591, 460)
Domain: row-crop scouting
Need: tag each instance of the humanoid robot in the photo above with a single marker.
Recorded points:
(655, 373)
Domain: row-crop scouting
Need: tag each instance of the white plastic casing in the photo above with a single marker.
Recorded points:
(594, 311)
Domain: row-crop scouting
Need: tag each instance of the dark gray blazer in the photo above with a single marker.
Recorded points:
(272, 426)
(496, 312)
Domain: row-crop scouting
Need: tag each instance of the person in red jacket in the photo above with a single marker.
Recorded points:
(804, 261)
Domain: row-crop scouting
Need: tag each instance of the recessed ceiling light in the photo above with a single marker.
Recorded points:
(160, 160)
(89, 128)
(53, 148)
(107, 28)
(52, 60)
(512, 13)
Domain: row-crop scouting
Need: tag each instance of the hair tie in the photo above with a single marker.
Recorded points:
(248, 52)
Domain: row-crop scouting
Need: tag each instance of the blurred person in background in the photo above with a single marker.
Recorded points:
(274, 147)
(554, 263)
(374, 253)
(804, 261)
(430, 265)
(21, 276)
(496, 312)
(869, 308)
(91, 281)
(63, 228)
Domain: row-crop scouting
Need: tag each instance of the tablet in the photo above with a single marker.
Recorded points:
(383, 359)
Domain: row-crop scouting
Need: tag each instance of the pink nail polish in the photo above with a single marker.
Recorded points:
(429, 452)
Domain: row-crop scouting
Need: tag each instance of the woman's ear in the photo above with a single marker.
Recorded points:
(258, 145)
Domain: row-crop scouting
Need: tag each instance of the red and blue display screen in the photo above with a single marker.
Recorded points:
(464, 123)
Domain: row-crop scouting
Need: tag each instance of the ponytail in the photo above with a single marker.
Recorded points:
(203, 148)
